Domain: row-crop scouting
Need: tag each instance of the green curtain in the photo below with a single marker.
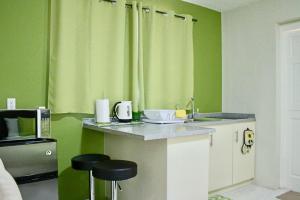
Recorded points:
(69, 66)
(106, 50)
(168, 60)
(137, 62)
(90, 41)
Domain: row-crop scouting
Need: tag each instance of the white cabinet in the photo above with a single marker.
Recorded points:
(243, 164)
(220, 170)
(228, 165)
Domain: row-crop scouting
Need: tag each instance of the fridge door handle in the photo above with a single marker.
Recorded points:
(36, 177)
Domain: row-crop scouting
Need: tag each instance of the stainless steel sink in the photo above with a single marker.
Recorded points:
(206, 119)
(218, 117)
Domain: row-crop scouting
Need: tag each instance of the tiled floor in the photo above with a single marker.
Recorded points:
(253, 192)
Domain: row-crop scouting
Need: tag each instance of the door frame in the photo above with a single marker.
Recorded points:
(282, 91)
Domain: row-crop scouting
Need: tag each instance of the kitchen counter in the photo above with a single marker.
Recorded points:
(146, 131)
(163, 152)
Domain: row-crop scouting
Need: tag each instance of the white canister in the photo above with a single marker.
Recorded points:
(102, 111)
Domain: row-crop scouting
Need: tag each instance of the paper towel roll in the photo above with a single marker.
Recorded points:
(102, 111)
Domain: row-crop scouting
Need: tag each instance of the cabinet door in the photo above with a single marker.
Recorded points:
(243, 164)
(220, 168)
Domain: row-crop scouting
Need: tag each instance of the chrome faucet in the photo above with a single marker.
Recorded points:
(193, 107)
(192, 104)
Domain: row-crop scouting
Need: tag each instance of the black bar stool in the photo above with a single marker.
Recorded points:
(115, 170)
(86, 162)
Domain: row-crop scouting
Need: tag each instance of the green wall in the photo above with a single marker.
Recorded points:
(23, 75)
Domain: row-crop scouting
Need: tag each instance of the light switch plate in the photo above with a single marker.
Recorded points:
(11, 103)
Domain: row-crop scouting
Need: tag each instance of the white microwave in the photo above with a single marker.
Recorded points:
(25, 124)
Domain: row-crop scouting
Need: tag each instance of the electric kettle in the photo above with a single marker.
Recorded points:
(123, 111)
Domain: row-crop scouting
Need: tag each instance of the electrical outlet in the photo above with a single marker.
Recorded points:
(11, 103)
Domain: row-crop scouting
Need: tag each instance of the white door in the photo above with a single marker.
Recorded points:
(243, 163)
(220, 157)
(290, 66)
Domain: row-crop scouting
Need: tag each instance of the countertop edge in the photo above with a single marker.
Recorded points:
(110, 131)
(226, 122)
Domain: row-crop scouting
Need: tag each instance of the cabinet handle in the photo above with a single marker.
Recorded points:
(211, 140)
(236, 136)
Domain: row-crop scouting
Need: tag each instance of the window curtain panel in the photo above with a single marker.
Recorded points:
(136, 57)
(105, 50)
(93, 54)
(168, 60)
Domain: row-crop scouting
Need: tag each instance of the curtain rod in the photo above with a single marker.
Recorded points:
(147, 9)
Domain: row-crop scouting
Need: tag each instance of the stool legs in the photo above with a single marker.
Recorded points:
(114, 190)
(92, 185)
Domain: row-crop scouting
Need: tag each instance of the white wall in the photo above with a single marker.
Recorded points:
(249, 74)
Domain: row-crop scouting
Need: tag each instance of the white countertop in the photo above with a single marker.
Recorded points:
(148, 131)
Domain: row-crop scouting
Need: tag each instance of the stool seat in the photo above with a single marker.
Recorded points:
(87, 161)
(115, 170)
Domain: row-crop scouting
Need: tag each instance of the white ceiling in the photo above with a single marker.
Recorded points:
(221, 5)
